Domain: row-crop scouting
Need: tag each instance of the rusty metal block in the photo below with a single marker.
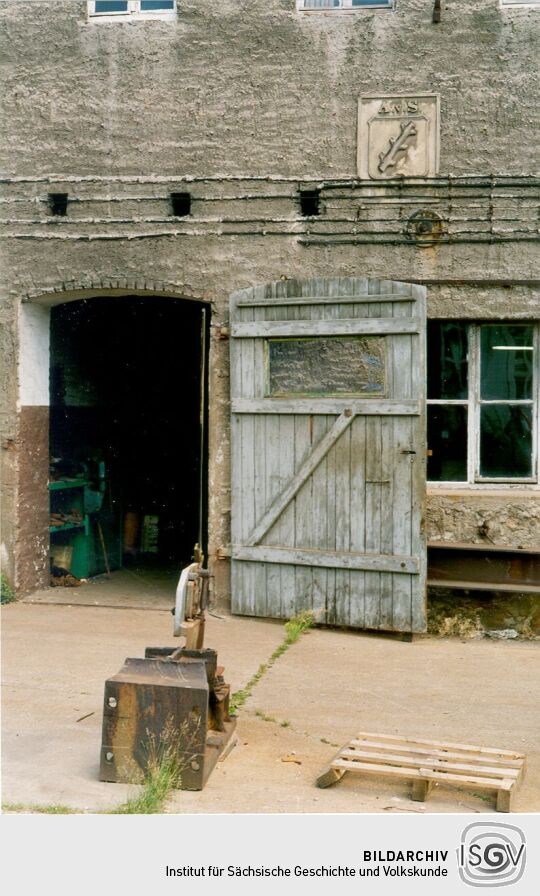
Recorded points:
(157, 700)
(144, 703)
(206, 654)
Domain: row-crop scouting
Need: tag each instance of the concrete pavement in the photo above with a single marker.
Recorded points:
(324, 689)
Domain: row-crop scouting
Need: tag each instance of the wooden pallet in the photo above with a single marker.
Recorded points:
(428, 762)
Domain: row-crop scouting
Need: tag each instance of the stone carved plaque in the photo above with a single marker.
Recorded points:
(348, 365)
(398, 136)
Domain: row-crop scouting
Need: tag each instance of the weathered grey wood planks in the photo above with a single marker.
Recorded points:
(337, 405)
(347, 327)
(328, 491)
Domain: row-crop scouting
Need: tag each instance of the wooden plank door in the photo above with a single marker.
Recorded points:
(328, 452)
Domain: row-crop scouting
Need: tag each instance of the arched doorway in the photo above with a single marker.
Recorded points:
(127, 432)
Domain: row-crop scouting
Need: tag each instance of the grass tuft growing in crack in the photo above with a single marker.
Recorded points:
(262, 715)
(158, 784)
(294, 628)
(167, 757)
(297, 626)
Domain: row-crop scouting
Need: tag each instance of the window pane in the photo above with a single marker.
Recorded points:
(156, 5)
(447, 439)
(344, 4)
(506, 362)
(447, 359)
(351, 365)
(111, 5)
(506, 441)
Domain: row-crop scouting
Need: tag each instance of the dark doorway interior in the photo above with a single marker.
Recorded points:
(126, 378)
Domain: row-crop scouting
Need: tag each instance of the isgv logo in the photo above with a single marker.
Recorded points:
(491, 855)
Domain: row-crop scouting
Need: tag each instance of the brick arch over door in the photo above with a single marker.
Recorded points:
(32, 541)
(75, 290)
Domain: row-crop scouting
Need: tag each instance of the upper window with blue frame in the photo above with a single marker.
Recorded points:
(132, 9)
(332, 5)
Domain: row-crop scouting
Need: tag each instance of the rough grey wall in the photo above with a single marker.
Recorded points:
(257, 87)
(511, 519)
(242, 103)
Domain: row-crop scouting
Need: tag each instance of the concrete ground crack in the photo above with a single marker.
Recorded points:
(284, 723)
(294, 628)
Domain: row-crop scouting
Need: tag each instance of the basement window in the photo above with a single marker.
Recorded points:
(483, 397)
(310, 203)
(181, 204)
(58, 203)
(131, 9)
(338, 5)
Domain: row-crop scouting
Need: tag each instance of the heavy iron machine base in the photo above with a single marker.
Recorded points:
(173, 698)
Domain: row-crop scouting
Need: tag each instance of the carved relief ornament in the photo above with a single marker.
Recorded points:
(398, 136)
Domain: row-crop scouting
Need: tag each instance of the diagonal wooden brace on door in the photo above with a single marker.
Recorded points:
(311, 463)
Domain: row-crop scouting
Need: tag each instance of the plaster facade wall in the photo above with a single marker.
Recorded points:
(259, 88)
(243, 104)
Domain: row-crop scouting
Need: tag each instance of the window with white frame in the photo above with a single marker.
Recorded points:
(344, 4)
(483, 396)
(129, 9)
